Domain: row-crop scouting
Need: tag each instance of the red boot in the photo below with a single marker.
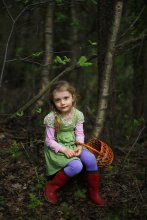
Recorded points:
(93, 180)
(50, 188)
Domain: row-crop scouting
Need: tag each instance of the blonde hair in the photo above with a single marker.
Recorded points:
(60, 86)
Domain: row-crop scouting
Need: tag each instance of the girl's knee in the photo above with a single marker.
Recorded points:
(77, 166)
(73, 167)
(87, 156)
(91, 157)
(89, 160)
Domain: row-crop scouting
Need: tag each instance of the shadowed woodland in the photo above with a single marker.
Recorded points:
(100, 46)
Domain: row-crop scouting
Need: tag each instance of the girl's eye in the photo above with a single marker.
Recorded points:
(66, 97)
(57, 100)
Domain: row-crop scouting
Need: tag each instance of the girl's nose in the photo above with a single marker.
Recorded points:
(62, 102)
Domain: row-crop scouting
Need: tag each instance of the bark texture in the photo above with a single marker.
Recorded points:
(48, 58)
(106, 66)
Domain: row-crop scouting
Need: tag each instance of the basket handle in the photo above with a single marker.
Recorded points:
(87, 146)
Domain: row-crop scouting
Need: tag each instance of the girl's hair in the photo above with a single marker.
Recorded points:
(60, 86)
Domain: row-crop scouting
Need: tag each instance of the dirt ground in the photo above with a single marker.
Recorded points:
(123, 184)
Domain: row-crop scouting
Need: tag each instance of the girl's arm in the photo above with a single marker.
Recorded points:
(50, 139)
(50, 142)
(79, 132)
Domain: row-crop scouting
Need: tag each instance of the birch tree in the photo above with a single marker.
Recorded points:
(107, 68)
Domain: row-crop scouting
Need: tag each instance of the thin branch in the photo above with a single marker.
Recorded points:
(131, 148)
(128, 49)
(132, 40)
(5, 54)
(140, 49)
(26, 60)
(54, 52)
(134, 22)
(45, 90)
(8, 11)
(35, 62)
(125, 46)
(42, 92)
(11, 31)
(138, 188)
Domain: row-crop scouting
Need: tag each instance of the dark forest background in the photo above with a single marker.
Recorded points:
(42, 41)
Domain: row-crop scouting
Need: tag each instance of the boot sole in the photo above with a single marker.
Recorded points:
(49, 200)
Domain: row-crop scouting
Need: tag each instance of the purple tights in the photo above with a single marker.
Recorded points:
(75, 166)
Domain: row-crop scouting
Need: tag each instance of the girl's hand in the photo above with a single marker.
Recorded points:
(68, 152)
(78, 151)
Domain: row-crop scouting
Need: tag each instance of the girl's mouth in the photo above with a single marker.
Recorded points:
(64, 107)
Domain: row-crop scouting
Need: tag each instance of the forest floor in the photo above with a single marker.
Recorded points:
(123, 184)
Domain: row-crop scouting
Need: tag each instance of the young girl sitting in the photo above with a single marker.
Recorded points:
(64, 127)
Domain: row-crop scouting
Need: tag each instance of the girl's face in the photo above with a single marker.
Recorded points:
(63, 101)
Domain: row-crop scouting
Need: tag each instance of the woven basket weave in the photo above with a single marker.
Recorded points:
(104, 154)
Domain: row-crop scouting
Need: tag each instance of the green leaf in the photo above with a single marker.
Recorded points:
(83, 62)
(20, 114)
(66, 59)
(94, 2)
(59, 60)
(60, 17)
(59, 1)
(39, 110)
(37, 54)
(19, 51)
(80, 194)
(92, 43)
(34, 201)
(63, 61)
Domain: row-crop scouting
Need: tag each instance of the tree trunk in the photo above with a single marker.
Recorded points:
(108, 57)
(74, 32)
(140, 82)
(48, 58)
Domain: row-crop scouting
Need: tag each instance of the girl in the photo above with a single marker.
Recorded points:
(64, 126)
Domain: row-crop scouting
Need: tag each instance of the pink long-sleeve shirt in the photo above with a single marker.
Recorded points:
(52, 143)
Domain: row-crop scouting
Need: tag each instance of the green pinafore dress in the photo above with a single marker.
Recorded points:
(64, 136)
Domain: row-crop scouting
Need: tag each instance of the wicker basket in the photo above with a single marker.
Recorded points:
(104, 154)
